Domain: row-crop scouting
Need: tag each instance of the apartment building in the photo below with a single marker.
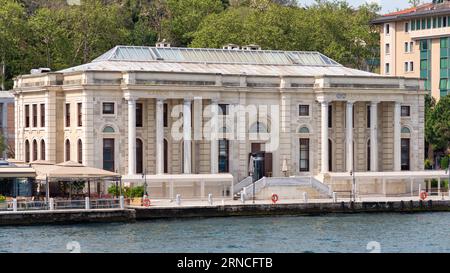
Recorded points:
(415, 43)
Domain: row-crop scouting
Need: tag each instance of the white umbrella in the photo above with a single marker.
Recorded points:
(251, 165)
(284, 168)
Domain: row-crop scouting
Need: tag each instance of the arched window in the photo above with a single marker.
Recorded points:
(35, 150)
(303, 130)
(42, 149)
(405, 130)
(27, 151)
(258, 127)
(67, 150)
(108, 129)
(80, 151)
(139, 156)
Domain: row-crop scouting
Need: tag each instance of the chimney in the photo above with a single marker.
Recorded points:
(231, 47)
(251, 47)
(162, 44)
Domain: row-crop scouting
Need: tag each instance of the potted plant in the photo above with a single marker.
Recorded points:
(3, 204)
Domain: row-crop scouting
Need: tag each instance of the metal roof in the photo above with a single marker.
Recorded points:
(219, 61)
(212, 55)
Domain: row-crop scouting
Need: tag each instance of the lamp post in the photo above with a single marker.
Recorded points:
(352, 173)
(145, 182)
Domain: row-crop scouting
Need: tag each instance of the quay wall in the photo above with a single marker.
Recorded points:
(292, 209)
(139, 213)
(24, 218)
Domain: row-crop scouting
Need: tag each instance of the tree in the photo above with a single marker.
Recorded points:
(415, 3)
(12, 18)
(430, 136)
(437, 131)
(184, 17)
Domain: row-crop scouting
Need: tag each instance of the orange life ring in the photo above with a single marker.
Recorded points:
(275, 198)
(146, 202)
(423, 195)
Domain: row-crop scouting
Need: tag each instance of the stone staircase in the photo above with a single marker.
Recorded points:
(287, 188)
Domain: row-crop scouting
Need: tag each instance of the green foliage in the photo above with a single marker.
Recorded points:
(428, 164)
(444, 162)
(128, 192)
(437, 124)
(2, 198)
(50, 33)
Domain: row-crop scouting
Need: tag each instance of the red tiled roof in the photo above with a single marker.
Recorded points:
(410, 10)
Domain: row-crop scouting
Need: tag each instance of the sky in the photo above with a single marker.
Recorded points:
(387, 5)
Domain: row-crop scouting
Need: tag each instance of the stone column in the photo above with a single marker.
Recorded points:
(214, 137)
(397, 148)
(324, 132)
(131, 136)
(187, 135)
(349, 136)
(159, 136)
(374, 136)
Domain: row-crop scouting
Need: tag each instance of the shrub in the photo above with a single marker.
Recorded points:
(137, 192)
(2, 198)
(428, 165)
(444, 162)
(127, 192)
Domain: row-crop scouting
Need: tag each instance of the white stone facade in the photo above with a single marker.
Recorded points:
(193, 93)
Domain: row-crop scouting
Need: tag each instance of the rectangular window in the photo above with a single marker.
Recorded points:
(303, 110)
(428, 23)
(388, 49)
(405, 154)
(223, 109)
(368, 116)
(444, 21)
(406, 66)
(406, 27)
(67, 114)
(411, 46)
(330, 116)
(406, 47)
(108, 154)
(411, 66)
(139, 114)
(304, 154)
(387, 68)
(223, 156)
(413, 25)
(444, 63)
(35, 116)
(418, 24)
(434, 22)
(443, 84)
(108, 108)
(388, 29)
(405, 111)
(444, 42)
(166, 115)
(27, 116)
(439, 22)
(79, 114)
(42, 115)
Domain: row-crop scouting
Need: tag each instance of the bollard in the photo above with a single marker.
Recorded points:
(178, 199)
(122, 202)
(305, 197)
(334, 197)
(242, 197)
(87, 203)
(14, 204)
(51, 204)
(210, 199)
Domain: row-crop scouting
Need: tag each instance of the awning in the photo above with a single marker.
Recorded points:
(69, 170)
(17, 172)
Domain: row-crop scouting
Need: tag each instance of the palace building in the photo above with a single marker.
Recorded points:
(186, 116)
(416, 43)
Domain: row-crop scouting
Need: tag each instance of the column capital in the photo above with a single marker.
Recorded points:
(374, 102)
(160, 101)
(187, 101)
(350, 102)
